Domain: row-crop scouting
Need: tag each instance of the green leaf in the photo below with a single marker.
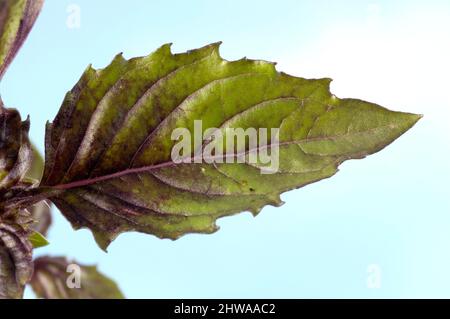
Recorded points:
(38, 240)
(17, 17)
(16, 265)
(108, 152)
(56, 278)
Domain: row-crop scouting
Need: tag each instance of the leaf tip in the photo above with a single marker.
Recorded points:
(327, 80)
(411, 119)
(89, 69)
(102, 242)
(26, 123)
(166, 48)
(215, 46)
(38, 240)
(255, 211)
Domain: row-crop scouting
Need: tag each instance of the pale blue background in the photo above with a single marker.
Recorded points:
(391, 209)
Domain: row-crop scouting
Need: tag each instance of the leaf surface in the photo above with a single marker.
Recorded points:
(17, 17)
(16, 159)
(108, 151)
(37, 240)
(16, 155)
(16, 265)
(54, 278)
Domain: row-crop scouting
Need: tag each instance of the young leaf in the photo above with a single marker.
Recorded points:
(54, 278)
(108, 151)
(16, 265)
(16, 155)
(17, 17)
(21, 167)
(37, 240)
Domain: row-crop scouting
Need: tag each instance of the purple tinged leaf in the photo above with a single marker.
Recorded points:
(16, 168)
(17, 18)
(16, 155)
(16, 265)
(59, 278)
(108, 152)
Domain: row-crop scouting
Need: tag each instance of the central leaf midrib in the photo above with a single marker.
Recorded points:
(142, 169)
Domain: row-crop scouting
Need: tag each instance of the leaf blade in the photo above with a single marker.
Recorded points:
(16, 265)
(51, 276)
(17, 18)
(116, 174)
(16, 155)
(37, 240)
